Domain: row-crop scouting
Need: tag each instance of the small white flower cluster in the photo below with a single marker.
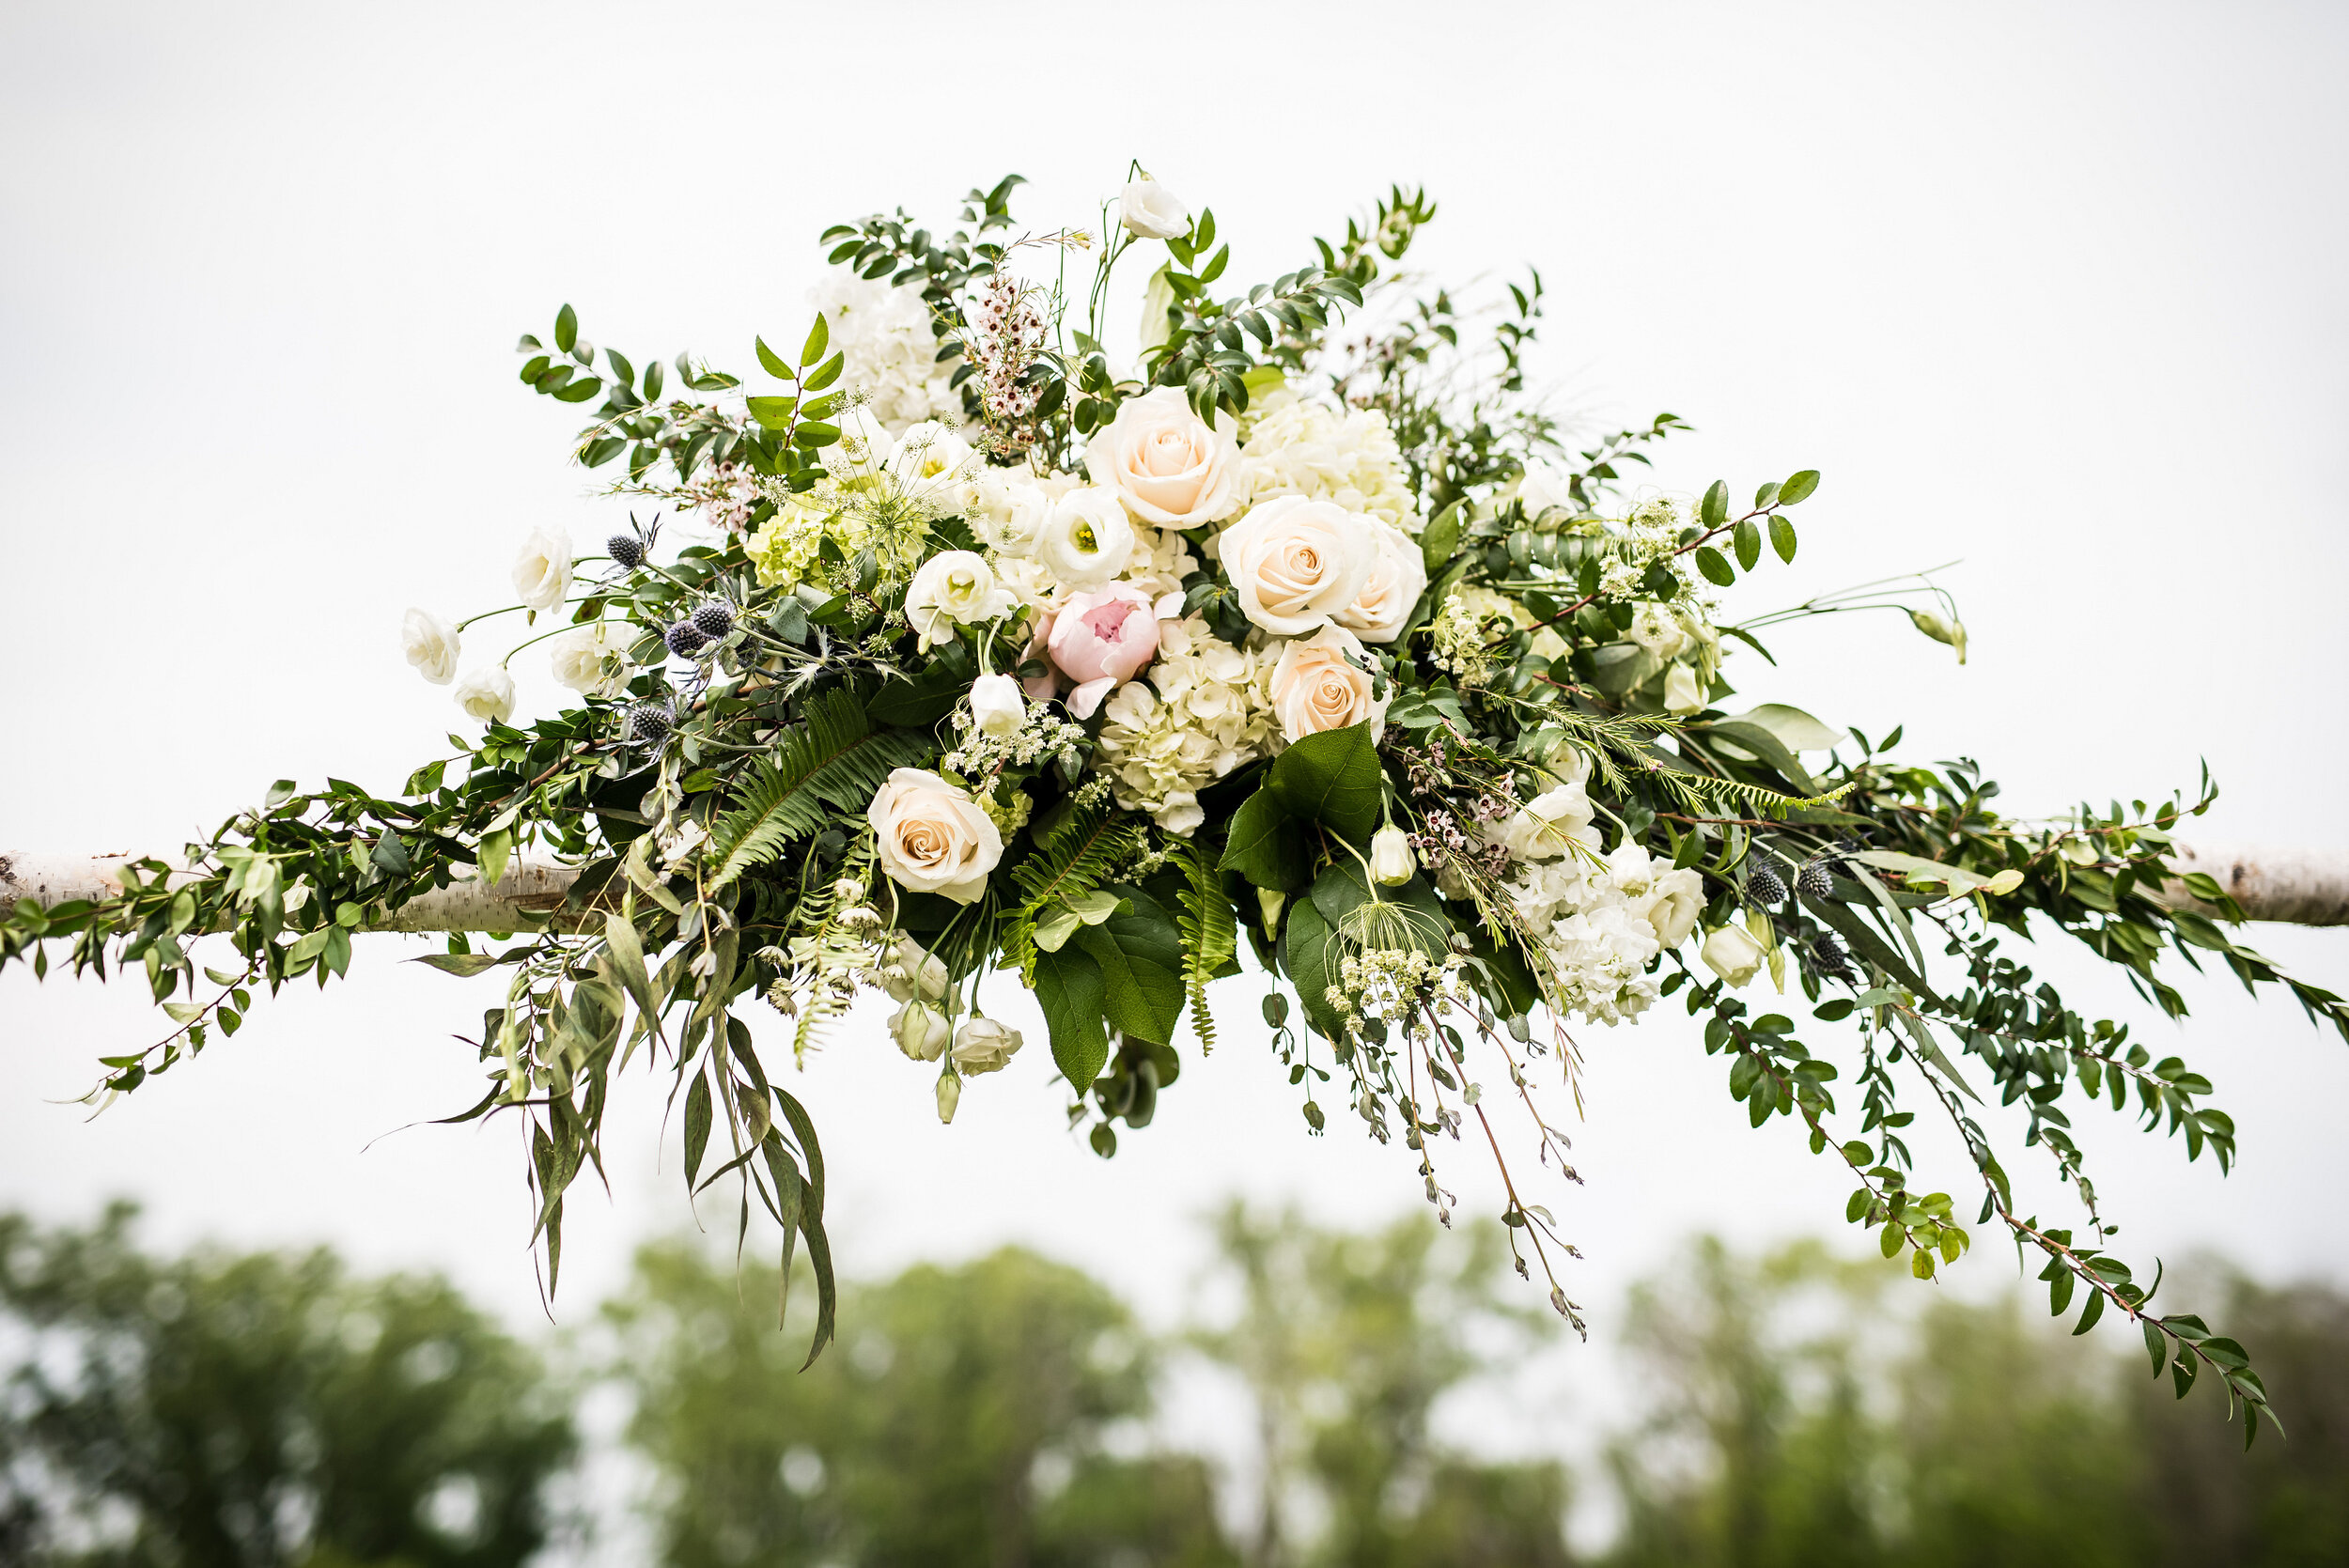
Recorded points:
(980, 752)
(1007, 332)
(888, 351)
(1210, 712)
(1299, 446)
(1397, 985)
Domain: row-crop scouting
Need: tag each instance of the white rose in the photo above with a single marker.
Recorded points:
(997, 706)
(1392, 863)
(430, 645)
(579, 660)
(983, 1045)
(1172, 467)
(1086, 539)
(932, 837)
(1319, 684)
(929, 454)
(955, 587)
(1543, 828)
(921, 1031)
(1733, 954)
(1297, 564)
(1682, 694)
(487, 695)
(542, 572)
(1398, 575)
(1150, 211)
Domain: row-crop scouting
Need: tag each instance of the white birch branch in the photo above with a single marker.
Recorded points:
(2296, 887)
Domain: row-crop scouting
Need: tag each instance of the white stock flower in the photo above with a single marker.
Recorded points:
(921, 1031)
(1733, 954)
(431, 646)
(984, 1046)
(1170, 467)
(487, 695)
(956, 587)
(1545, 827)
(1087, 539)
(1398, 575)
(1392, 863)
(1297, 564)
(542, 572)
(1319, 684)
(997, 706)
(578, 657)
(932, 837)
(1151, 211)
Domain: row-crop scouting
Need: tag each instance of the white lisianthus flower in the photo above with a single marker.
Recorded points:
(542, 572)
(1545, 825)
(921, 1031)
(983, 1045)
(1297, 565)
(932, 837)
(1733, 954)
(1545, 487)
(1392, 863)
(864, 446)
(1319, 684)
(1170, 467)
(1673, 902)
(1682, 695)
(487, 695)
(1086, 539)
(1398, 575)
(928, 457)
(1149, 211)
(997, 706)
(579, 658)
(918, 975)
(955, 587)
(1657, 628)
(431, 646)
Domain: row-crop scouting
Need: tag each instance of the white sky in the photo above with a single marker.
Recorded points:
(2055, 291)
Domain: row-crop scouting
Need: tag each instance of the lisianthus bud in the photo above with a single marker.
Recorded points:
(921, 1031)
(949, 1096)
(1392, 863)
(1733, 954)
(983, 1045)
(912, 973)
(1940, 630)
(997, 704)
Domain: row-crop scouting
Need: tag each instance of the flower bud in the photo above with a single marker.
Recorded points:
(949, 1096)
(1392, 863)
(997, 706)
(921, 1031)
(984, 1045)
(1940, 630)
(1270, 903)
(912, 973)
(848, 892)
(1733, 954)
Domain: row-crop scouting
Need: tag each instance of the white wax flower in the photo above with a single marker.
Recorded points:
(542, 572)
(954, 587)
(430, 645)
(1086, 539)
(1733, 954)
(1151, 211)
(932, 837)
(997, 704)
(487, 695)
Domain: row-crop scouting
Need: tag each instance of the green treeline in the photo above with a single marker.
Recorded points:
(278, 1412)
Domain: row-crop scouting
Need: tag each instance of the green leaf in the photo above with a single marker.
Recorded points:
(824, 374)
(466, 964)
(1713, 510)
(818, 338)
(1440, 540)
(1715, 566)
(1141, 959)
(578, 390)
(771, 361)
(773, 412)
(1783, 537)
(621, 369)
(1070, 990)
(1332, 778)
(697, 1120)
(565, 329)
(1266, 846)
(1798, 487)
(1306, 958)
(1746, 538)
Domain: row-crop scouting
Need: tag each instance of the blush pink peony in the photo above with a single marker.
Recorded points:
(1095, 641)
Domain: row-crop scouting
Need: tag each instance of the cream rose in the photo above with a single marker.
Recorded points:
(1319, 684)
(431, 646)
(956, 587)
(983, 1045)
(579, 658)
(1170, 466)
(932, 837)
(1398, 575)
(542, 572)
(1297, 565)
(1151, 211)
(1086, 539)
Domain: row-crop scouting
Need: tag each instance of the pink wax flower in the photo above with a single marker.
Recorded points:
(1096, 641)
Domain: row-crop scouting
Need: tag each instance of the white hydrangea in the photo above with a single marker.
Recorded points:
(1203, 711)
(1601, 922)
(1297, 447)
(889, 352)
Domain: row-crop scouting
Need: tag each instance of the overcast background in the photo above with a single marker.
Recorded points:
(2052, 289)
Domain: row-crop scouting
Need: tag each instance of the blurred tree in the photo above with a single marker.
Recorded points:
(225, 1411)
(960, 1422)
(1346, 1341)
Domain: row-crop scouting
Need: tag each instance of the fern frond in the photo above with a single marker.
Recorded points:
(836, 760)
(1210, 934)
(1073, 860)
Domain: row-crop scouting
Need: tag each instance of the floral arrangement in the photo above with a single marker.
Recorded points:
(996, 657)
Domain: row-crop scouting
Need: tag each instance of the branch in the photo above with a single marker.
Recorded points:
(523, 898)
